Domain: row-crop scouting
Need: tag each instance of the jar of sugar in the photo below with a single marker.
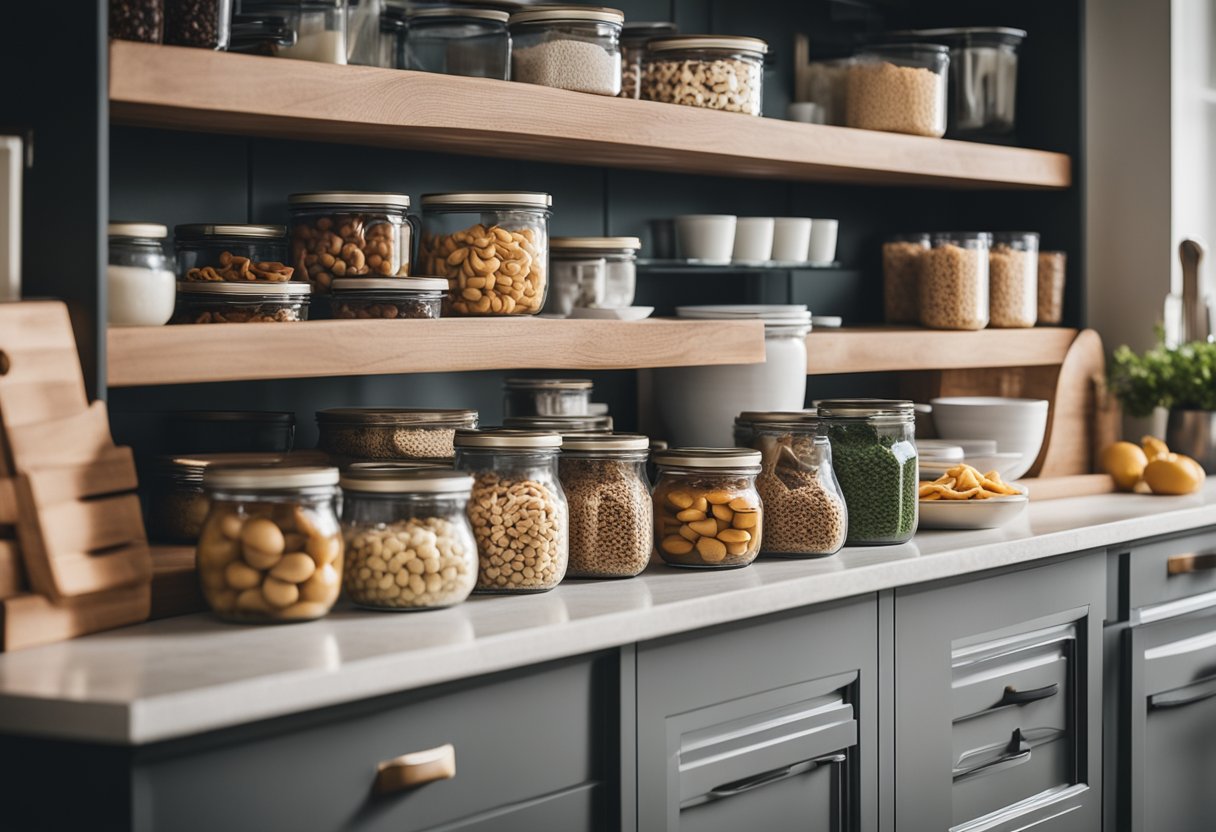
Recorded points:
(569, 47)
(140, 285)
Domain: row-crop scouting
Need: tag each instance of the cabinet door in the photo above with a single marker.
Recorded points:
(761, 725)
(998, 701)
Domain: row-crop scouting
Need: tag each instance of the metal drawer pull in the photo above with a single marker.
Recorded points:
(1013, 696)
(1190, 562)
(1016, 753)
(415, 769)
(769, 777)
(1183, 696)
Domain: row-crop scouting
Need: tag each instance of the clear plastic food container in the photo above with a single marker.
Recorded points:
(565, 425)
(409, 545)
(518, 509)
(954, 281)
(270, 549)
(492, 246)
(239, 303)
(369, 433)
(611, 531)
(1052, 273)
(316, 29)
(547, 396)
(568, 47)
(200, 23)
(235, 253)
(349, 234)
(388, 297)
(458, 40)
(719, 73)
(826, 84)
(1013, 279)
(983, 76)
(593, 272)
(902, 258)
(634, 37)
(707, 512)
(899, 88)
(141, 287)
(139, 20)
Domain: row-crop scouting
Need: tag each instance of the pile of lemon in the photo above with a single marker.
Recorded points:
(1151, 466)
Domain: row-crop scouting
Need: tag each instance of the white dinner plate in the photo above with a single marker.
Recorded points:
(628, 313)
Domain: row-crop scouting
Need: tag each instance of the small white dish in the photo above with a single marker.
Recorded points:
(628, 313)
(709, 238)
(971, 514)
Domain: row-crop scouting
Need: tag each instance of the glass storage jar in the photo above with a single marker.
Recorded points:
(634, 37)
(141, 20)
(1052, 270)
(229, 431)
(364, 24)
(458, 40)
(317, 28)
(746, 423)
(458, 229)
(349, 234)
(592, 272)
(611, 530)
(141, 287)
(592, 423)
(518, 509)
(719, 73)
(270, 549)
(1013, 279)
(707, 512)
(899, 88)
(568, 47)
(370, 433)
(240, 303)
(200, 23)
(392, 37)
(826, 84)
(389, 297)
(546, 396)
(902, 255)
(874, 456)
(233, 253)
(954, 281)
(409, 545)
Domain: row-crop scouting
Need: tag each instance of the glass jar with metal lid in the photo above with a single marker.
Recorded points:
(492, 246)
(203, 24)
(370, 433)
(518, 508)
(234, 253)
(239, 303)
(458, 40)
(547, 396)
(387, 297)
(409, 545)
(565, 425)
(747, 422)
(568, 47)
(611, 529)
(874, 455)
(226, 431)
(719, 73)
(140, 284)
(316, 29)
(349, 234)
(898, 88)
(634, 37)
(707, 511)
(593, 272)
(953, 285)
(270, 549)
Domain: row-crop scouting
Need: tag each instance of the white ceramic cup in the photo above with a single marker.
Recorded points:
(822, 248)
(753, 239)
(706, 237)
(791, 239)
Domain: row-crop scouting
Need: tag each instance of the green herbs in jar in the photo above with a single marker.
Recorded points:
(877, 470)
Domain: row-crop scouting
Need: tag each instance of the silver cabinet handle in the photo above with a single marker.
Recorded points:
(1016, 753)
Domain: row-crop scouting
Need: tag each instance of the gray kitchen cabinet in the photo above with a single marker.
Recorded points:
(998, 699)
(762, 725)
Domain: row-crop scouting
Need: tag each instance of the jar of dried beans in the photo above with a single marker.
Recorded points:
(232, 253)
(604, 477)
(1013, 279)
(340, 234)
(899, 88)
(954, 281)
(390, 434)
(719, 73)
(707, 512)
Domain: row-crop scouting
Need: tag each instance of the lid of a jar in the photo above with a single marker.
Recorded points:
(740, 44)
(950, 236)
(280, 416)
(707, 457)
(287, 289)
(961, 32)
(772, 314)
(524, 199)
(460, 11)
(406, 481)
(499, 438)
(863, 408)
(149, 230)
(593, 243)
(547, 384)
(605, 442)
(396, 416)
(193, 466)
(756, 417)
(907, 47)
(560, 424)
(598, 14)
(372, 198)
(400, 284)
(203, 231)
(270, 477)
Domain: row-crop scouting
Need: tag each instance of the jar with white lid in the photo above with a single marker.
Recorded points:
(565, 425)
(389, 298)
(518, 509)
(547, 396)
(240, 303)
(718, 73)
(569, 47)
(316, 28)
(707, 512)
(409, 545)
(231, 252)
(604, 477)
(635, 34)
(899, 88)
(392, 433)
(493, 248)
(270, 549)
(337, 234)
(140, 285)
(697, 406)
(458, 40)
(592, 272)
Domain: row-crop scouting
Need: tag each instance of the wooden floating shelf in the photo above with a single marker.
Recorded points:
(217, 92)
(889, 349)
(241, 352)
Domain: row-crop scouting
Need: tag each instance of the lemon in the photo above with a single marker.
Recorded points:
(1154, 448)
(1173, 474)
(1125, 462)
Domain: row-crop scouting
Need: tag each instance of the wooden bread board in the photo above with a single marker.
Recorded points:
(29, 620)
(1058, 488)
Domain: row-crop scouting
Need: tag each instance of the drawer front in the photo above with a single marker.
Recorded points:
(812, 800)
(1171, 569)
(573, 810)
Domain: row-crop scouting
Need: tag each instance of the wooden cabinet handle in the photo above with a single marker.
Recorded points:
(1191, 562)
(415, 769)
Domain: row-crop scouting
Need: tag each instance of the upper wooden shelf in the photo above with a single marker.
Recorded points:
(241, 352)
(216, 92)
(889, 349)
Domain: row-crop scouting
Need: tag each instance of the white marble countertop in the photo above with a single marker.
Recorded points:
(186, 675)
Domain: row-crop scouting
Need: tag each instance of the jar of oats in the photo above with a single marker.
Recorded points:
(707, 512)
(368, 433)
(902, 255)
(517, 509)
(1013, 279)
(718, 73)
(604, 477)
(954, 281)
(898, 88)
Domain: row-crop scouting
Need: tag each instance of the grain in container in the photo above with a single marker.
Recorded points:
(954, 281)
(1013, 279)
(315, 29)
(238, 303)
(458, 40)
(349, 234)
(898, 88)
(493, 248)
(902, 257)
(707, 512)
(718, 73)
(565, 425)
(270, 549)
(409, 545)
(410, 434)
(547, 396)
(140, 284)
(390, 298)
(592, 272)
(518, 509)
(200, 23)
(568, 47)
(1052, 271)
(634, 37)
(874, 456)
(604, 477)
(697, 406)
(231, 252)
(139, 20)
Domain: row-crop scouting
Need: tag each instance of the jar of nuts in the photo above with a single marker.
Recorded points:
(518, 508)
(1013, 279)
(899, 88)
(492, 246)
(387, 434)
(387, 297)
(208, 253)
(409, 545)
(719, 73)
(954, 281)
(349, 234)
(270, 549)
(546, 397)
(634, 37)
(568, 47)
(707, 512)
(238, 303)
(901, 263)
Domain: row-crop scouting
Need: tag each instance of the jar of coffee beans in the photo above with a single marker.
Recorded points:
(604, 477)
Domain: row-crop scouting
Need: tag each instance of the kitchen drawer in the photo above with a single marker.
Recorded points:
(1169, 569)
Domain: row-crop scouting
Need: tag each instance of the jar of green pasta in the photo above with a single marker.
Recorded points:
(874, 453)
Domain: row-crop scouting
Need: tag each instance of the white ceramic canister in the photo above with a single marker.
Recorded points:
(141, 287)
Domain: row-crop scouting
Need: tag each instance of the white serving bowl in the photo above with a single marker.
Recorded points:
(1017, 425)
(971, 514)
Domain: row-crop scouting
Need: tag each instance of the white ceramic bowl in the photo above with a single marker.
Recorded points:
(971, 514)
(709, 238)
(1017, 425)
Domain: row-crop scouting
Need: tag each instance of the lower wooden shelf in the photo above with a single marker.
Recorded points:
(891, 349)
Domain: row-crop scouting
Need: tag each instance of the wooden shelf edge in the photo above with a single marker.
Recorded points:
(893, 349)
